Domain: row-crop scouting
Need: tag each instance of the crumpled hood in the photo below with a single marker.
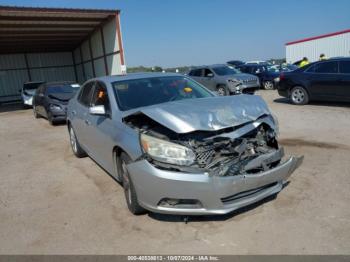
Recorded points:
(205, 114)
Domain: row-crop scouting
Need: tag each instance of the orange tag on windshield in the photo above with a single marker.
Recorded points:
(100, 94)
(187, 89)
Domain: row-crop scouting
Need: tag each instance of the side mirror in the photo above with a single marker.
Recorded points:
(210, 75)
(257, 71)
(97, 110)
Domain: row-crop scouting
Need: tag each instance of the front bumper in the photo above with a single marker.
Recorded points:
(59, 115)
(217, 195)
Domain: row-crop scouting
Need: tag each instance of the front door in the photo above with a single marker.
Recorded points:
(101, 128)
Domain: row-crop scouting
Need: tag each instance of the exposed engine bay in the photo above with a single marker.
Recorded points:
(215, 152)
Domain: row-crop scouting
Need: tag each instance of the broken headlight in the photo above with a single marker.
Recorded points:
(167, 152)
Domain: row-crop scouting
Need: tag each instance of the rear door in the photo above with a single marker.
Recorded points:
(324, 80)
(344, 78)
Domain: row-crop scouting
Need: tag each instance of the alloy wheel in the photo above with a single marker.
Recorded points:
(298, 96)
(221, 91)
(268, 85)
(73, 140)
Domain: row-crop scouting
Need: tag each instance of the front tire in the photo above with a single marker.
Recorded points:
(129, 189)
(223, 90)
(299, 96)
(76, 148)
(268, 85)
(50, 118)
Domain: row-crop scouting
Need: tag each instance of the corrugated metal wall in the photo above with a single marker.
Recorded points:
(41, 67)
(94, 66)
(332, 46)
(97, 56)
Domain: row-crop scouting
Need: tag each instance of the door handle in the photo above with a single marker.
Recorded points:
(74, 113)
(87, 122)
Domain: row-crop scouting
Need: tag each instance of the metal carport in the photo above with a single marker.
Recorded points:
(52, 44)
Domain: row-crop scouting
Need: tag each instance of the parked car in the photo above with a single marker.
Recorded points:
(225, 79)
(175, 147)
(327, 80)
(51, 99)
(235, 63)
(28, 91)
(267, 75)
(258, 62)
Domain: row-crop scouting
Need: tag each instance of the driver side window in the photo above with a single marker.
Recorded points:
(100, 97)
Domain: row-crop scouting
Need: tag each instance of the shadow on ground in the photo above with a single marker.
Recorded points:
(11, 107)
(315, 103)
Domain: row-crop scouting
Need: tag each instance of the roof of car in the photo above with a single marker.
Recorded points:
(205, 66)
(133, 76)
(58, 83)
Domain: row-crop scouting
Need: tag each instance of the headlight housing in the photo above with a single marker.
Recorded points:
(167, 152)
(55, 107)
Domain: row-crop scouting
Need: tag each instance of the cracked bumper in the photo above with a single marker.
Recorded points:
(217, 195)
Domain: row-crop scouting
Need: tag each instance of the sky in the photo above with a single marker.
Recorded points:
(171, 33)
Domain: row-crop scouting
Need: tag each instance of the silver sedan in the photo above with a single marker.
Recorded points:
(175, 147)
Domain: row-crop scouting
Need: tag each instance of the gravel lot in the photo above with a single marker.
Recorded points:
(54, 203)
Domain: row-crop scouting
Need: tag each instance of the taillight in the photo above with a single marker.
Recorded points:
(282, 76)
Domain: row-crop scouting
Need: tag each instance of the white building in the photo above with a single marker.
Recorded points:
(332, 45)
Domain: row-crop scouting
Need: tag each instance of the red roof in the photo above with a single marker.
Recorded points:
(318, 37)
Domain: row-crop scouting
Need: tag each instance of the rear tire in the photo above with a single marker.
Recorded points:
(223, 90)
(129, 189)
(76, 148)
(299, 96)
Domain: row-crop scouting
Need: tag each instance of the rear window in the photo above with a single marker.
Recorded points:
(136, 93)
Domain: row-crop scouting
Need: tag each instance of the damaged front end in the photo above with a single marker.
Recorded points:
(207, 156)
(249, 148)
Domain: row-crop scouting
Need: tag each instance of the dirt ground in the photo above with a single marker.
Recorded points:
(53, 203)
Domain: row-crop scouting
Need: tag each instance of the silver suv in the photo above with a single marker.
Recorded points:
(225, 79)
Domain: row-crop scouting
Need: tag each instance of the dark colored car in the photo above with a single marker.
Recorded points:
(235, 63)
(268, 76)
(51, 99)
(327, 80)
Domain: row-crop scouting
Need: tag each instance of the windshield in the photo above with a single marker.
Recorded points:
(67, 88)
(150, 91)
(225, 70)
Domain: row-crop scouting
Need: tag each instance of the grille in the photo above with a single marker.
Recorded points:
(204, 157)
(255, 191)
(250, 80)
